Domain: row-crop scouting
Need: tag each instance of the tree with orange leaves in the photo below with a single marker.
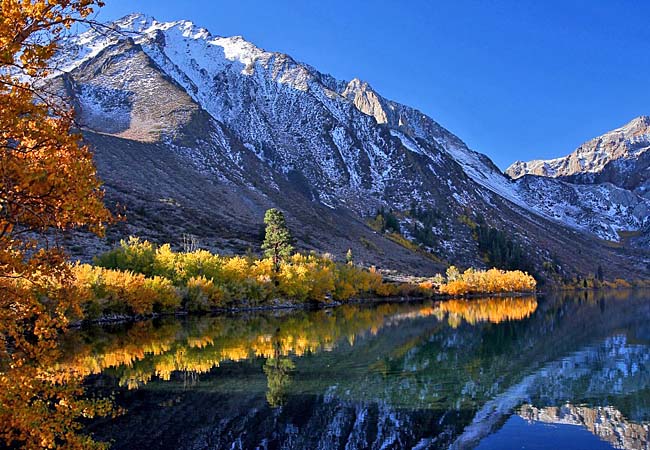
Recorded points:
(47, 177)
(47, 182)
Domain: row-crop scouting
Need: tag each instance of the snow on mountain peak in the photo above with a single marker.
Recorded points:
(626, 142)
(144, 30)
(636, 127)
(134, 22)
(342, 140)
(143, 23)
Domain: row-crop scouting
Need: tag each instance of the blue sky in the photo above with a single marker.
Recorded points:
(514, 79)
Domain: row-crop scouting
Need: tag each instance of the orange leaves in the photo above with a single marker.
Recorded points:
(123, 292)
(456, 287)
(495, 310)
(39, 414)
(47, 178)
(203, 294)
(47, 181)
(29, 30)
(486, 282)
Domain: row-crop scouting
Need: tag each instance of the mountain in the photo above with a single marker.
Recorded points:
(619, 157)
(197, 133)
(616, 162)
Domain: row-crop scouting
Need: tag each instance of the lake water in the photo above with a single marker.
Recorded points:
(525, 373)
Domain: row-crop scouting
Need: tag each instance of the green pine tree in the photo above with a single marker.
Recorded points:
(277, 240)
(278, 378)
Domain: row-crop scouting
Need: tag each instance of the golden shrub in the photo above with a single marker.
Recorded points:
(203, 294)
(486, 281)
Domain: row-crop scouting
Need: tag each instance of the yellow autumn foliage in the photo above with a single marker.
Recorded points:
(491, 281)
(139, 277)
(124, 292)
(494, 310)
(48, 184)
(146, 350)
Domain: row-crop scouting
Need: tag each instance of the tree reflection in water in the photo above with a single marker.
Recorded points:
(45, 394)
(140, 352)
(42, 403)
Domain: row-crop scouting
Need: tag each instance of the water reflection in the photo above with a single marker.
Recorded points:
(614, 373)
(138, 353)
(428, 375)
(431, 375)
(278, 375)
(606, 422)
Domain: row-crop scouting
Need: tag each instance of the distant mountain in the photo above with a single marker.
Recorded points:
(615, 163)
(620, 157)
(196, 133)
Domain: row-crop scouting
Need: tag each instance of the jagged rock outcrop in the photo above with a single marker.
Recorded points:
(624, 144)
(610, 176)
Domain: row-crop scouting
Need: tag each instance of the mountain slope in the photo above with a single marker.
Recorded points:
(198, 132)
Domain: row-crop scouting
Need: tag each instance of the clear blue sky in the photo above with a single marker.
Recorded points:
(518, 79)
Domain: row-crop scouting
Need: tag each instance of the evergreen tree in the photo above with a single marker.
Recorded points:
(413, 211)
(499, 249)
(392, 223)
(387, 221)
(277, 240)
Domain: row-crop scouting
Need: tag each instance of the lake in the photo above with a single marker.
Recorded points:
(563, 371)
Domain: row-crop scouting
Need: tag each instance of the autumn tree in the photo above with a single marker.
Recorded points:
(47, 177)
(453, 274)
(47, 183)
(277, 239)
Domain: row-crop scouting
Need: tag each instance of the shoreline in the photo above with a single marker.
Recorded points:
(315, 306)
(305, 306)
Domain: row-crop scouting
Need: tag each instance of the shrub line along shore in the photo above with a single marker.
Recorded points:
(141, 279)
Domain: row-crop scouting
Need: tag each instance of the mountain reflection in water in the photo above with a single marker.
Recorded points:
(426, 375)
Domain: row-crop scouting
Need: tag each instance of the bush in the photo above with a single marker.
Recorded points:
(123, 292)
(486, 282)
(203, 295)
(139, 277)
(134, 255)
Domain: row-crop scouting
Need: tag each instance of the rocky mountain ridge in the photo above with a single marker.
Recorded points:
(199, 133)
(615, 163)
(627, 143)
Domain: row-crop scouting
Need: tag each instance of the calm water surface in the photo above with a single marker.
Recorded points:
(525, 373)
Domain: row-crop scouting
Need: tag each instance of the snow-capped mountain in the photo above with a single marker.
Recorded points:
(213, 130)
(615, 164)
(615, 156)
(335, 143)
